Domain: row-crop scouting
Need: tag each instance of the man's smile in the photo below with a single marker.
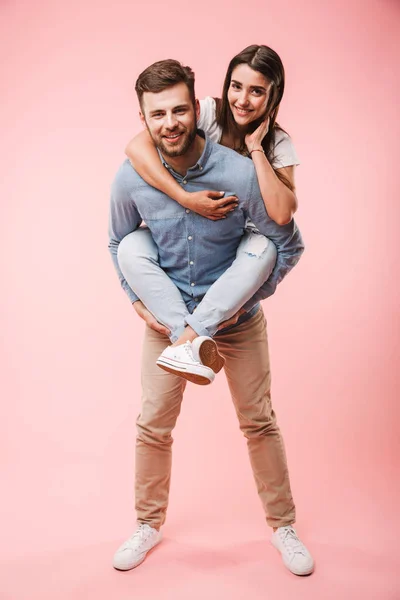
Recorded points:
(173, 137)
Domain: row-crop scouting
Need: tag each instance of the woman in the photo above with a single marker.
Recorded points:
(244, 120)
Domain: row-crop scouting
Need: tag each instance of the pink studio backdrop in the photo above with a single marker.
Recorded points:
(71, 343)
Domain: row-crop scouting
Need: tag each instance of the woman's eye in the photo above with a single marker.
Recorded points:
(257, 92)
(235, 86)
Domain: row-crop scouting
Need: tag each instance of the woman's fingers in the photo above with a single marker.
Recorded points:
(226, 201)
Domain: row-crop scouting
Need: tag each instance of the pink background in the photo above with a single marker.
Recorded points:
(71, 342)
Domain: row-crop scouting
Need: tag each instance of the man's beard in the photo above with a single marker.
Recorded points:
(181, 148)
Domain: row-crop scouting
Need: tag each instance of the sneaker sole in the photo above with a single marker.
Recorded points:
(192, 377)
(210, 357)
(302, 574)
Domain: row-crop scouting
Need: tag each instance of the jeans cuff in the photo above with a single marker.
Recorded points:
(196, 325)
(176, 333)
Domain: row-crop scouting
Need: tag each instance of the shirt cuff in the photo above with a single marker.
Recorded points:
(131, 294)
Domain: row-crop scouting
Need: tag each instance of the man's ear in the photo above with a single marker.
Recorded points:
(143, 120)
(197, 109)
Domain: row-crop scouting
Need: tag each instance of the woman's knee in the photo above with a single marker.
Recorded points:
(136, 246)
(258, 254)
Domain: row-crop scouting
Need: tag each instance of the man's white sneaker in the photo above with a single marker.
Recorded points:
(295, 555)
(133, 552)
(205, 350)
(180, 361)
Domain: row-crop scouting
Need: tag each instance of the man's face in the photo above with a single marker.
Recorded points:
(170, 118)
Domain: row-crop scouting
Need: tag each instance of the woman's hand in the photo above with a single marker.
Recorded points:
(254, 140)
(209, 204)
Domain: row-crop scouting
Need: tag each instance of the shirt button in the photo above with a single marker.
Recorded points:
(201, 168)
(192, 284)
(191, 263)
(196, 299)
(184, 181)
(190, 237)
(187, 210)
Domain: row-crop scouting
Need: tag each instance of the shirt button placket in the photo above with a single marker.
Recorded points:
(191, 262)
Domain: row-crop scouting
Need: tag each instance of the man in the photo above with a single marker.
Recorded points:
(168, 106)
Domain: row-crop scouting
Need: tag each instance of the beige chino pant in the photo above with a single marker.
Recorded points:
(247, 368)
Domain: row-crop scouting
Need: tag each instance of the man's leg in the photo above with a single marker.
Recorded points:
(161, 405)
(245, 349)
(247, 368)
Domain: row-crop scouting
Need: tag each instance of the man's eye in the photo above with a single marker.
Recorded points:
(181, 111)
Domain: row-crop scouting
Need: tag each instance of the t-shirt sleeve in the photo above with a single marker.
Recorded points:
(207, 114)
(208, 119)
(285, 152)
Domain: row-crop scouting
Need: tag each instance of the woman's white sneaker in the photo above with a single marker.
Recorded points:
(180, 361)
(295, 555)
(205, 350)
(133, 552)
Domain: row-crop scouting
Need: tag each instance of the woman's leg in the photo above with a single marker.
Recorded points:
(254, 263)
(138, 261)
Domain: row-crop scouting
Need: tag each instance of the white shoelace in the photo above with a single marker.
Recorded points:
(188, 349)
(142, 533)
(290, 540)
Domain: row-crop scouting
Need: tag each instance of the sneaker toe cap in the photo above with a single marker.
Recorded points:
(301, 565)
(124, 559)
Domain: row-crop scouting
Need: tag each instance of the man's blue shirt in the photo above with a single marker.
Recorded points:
(193, 249)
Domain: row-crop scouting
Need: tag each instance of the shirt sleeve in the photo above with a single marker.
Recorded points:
(124, 218)
(284, 151)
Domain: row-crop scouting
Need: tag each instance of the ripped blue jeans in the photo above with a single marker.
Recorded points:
(138, 261)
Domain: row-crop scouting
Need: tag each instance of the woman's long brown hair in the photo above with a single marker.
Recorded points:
(267, 62)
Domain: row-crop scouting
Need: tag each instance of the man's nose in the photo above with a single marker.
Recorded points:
(171, 121)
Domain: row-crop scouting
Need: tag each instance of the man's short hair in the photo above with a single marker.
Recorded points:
(162, 75)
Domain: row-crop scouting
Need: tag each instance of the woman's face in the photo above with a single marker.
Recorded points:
(247, 95)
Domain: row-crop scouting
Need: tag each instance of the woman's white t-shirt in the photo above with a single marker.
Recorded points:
(285, 153)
